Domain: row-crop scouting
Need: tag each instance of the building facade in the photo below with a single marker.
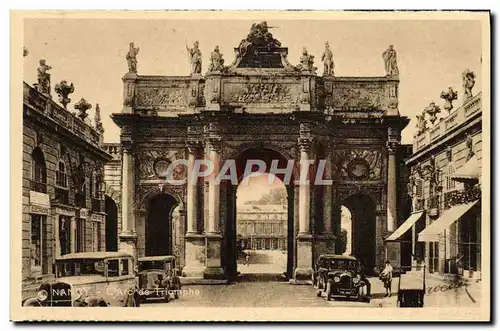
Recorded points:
(263, 227)
(63, 191)
(259, 107)
(445, 185)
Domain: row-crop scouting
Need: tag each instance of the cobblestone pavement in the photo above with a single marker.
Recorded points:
(283, 294)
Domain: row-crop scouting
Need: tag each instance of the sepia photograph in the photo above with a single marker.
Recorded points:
(250, 166)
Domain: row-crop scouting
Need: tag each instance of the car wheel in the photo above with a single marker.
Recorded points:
(329, 291)
(176, 292)
(167, 294)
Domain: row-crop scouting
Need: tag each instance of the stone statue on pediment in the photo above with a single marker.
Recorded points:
(132, 58)
(43, 77)
(390, 60)
(216, 60)
(194, 54)
(259, 36)
(306, 61)
(327, 59)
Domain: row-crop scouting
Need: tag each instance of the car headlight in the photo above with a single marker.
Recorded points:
(76, 295)
(336, 279)
(42, 295)
(355, 280)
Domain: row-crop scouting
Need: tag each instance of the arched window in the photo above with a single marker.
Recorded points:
(38, 171)
(61, 176)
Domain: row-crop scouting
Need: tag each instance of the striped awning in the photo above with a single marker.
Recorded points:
(450, 216)
(470, 170)
(405, 226)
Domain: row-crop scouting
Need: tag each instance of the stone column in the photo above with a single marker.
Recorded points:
(128, 236)
(213, 266)
(391, 187)
(194, 241)
(304, 237)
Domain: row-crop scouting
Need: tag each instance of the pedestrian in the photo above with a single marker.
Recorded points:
(386, 278)
(247, 258)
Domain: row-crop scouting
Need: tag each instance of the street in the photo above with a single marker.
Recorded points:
(283, 294)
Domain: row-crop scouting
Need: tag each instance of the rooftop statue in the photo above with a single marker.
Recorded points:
(216, 60)
(306, 61)
(43, 77)
(327, 59)
(391, 65)
(258, 37)
(132, 58)
(448, 97)
(468, 82)
(63, 90)
(194, 58)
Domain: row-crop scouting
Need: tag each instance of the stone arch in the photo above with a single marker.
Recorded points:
(113, 194)
(151, 192)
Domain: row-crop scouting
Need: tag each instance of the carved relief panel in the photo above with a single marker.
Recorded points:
(273, 95)
(360, 164)
(154, 164)
(161, 98)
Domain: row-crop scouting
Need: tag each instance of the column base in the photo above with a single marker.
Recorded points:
(213, 267)
(214, 273)
(304, 270)
(128, 244)
(195, 255)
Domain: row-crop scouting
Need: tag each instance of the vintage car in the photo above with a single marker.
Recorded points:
(317, 264)
(93, 279)
(158, 277)
(340, 276)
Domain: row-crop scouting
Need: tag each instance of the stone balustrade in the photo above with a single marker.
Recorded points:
(445, 125)
(50, 109)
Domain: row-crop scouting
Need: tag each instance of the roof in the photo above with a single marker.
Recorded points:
(93, 256)
(336, 256)
(156, 258)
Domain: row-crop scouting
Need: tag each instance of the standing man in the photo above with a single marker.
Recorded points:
(386, 278)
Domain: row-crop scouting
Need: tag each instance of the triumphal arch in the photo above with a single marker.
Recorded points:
(259, 107)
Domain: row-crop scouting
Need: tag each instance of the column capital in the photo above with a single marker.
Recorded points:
(193, 145)
(214, 143)
(127, 146)
(304, 144)
(392, 146)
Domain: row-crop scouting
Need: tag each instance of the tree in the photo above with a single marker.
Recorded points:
(276, 196)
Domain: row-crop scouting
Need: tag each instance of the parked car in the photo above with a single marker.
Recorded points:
(340, 276)
(92, 279)
(158, 277)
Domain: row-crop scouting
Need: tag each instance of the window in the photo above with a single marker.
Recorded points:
(419, 188)
(112, 268)
(65, 234)
(36, 244)
(38, 171)
(268, 228)
(124, 267)
(61, 177)
(450, 183)
(258, 228)
(80, 235)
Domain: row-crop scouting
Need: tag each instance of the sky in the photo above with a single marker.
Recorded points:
(432, 54)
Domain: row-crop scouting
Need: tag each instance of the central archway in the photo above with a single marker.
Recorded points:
(362, 234)
(158, 225)
(287, 243)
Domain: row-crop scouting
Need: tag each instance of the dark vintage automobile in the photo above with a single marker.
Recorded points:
(158, 277)
(339, 276)
(93, 279)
